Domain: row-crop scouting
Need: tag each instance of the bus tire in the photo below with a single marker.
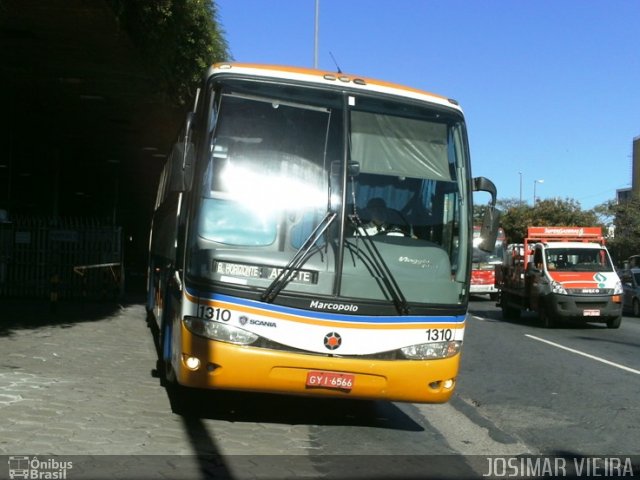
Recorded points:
(614, 322)
(151, 289)
(168, 375)
(183, 400)
(180, 398)
(636, 307)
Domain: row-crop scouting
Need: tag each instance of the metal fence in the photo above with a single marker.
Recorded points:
(68, 257)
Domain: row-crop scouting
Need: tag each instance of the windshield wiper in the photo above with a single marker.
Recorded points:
(298, 260)
(381, 267)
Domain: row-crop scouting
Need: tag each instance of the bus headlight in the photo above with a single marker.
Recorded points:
(424, 351)
(219, 331)
(557, 287)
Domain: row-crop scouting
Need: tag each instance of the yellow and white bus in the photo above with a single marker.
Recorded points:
(312, 236)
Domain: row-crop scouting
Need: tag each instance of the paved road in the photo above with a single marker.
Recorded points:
(572, 389)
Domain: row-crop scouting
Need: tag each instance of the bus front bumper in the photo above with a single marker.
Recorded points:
(226, 366)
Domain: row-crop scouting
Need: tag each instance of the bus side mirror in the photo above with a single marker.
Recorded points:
(482, 184)
(489, 229)
(491, 218)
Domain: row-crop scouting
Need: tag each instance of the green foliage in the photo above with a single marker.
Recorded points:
(626, 222)
(517, 216)
(514, 219)
(625, 217)
(178, 39)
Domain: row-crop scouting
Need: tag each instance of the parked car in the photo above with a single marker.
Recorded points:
(631, 286)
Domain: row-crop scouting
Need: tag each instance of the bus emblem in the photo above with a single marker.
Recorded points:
(332, 340)
(243, 320)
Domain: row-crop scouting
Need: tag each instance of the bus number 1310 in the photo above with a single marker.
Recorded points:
(212, 313)
(439, 334)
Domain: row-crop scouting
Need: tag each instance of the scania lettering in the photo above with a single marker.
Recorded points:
(262, 323)
(312, 236)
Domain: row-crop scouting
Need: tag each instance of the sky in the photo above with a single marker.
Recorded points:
(550, 88)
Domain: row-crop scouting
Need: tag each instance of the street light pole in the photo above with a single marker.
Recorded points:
(535, 182)
(520, 173)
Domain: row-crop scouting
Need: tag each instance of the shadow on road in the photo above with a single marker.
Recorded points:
(291, 410)
(25, 313)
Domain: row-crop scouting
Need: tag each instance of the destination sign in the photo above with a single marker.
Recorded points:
(244, 270)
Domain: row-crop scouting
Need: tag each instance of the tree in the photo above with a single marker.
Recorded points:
(178, 39)
(517, 216)
(626, 223)
(514, 219)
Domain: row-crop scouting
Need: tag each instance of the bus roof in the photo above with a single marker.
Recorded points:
(324, 77)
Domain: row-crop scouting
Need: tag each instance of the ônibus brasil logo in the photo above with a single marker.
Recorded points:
(22, 466)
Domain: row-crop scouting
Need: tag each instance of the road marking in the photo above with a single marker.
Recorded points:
(477, 317)
(593, 357)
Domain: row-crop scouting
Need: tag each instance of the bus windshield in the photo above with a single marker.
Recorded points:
(283, 159)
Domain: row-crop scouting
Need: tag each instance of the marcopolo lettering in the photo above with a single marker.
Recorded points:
(338, 307)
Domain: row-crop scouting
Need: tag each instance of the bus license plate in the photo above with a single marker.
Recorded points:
(591, 313)
(339, 381)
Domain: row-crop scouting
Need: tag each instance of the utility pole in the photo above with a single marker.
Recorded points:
(520, 173)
